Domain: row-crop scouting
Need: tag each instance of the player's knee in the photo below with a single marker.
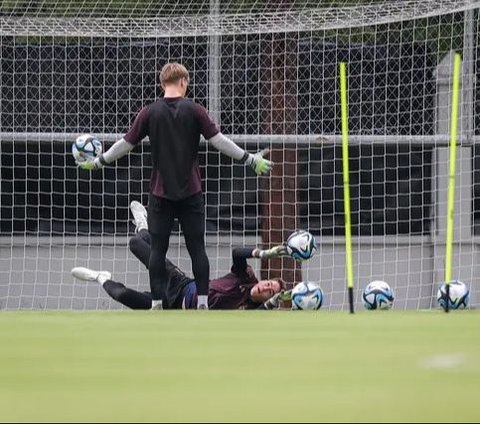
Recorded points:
(134, 245)
(115, 290)
(236, 252)
(119, 293)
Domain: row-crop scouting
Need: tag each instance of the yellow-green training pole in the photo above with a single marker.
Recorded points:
(346, 183)
(451, 178)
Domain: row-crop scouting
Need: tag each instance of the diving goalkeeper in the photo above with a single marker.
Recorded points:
(239, 289)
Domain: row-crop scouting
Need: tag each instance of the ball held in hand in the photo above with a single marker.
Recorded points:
(86, 148)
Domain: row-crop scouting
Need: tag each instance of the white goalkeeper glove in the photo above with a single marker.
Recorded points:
(258, 163)
(274, 252)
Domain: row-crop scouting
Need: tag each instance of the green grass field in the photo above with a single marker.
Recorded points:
(239, 366)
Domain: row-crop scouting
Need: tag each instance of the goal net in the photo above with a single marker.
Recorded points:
(267, 71)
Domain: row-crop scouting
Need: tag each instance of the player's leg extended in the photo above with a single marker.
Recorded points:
(139, 245)
(192, 219)
(128, 297)
(160, 222)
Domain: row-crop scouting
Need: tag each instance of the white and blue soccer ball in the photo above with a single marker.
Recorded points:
(378, 295)
(301, 245)
(86, 147)
(459, 295)
(307, 296)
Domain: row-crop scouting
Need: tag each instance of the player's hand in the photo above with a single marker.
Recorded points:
(91, 164)
(87, 165)
(274, 252)
(285, 296)
(259, 164)
(274, 301)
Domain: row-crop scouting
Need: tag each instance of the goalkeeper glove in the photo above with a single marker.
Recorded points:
(274, 301)
(90, 164)
(274, 252)
(285, 295)
(258, 163)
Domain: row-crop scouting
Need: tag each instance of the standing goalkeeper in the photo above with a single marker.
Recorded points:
(174, 125)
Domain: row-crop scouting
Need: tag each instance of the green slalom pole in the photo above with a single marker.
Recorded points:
(346, 183)
(452, 173)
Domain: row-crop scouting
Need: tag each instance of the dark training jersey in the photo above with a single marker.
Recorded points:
(232, 291)
(174, 126)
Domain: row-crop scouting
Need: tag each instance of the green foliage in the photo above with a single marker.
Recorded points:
(439, 34)
(101, 8)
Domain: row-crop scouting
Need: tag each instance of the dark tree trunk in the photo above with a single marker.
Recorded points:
(278, 197)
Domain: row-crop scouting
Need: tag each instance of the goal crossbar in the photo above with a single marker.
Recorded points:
(310, 19)
(314, 140)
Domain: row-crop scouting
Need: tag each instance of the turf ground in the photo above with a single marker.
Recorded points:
(240, 366)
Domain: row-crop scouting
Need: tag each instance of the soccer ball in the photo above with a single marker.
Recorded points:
(301, 245)
(307, 295)
(459, 295)
(86, 147)
(377, 295)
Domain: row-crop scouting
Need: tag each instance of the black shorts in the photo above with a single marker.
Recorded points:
(162, 211)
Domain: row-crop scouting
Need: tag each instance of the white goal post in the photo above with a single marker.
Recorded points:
(267, 72)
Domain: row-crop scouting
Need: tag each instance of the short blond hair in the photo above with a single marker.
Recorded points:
(172, 73)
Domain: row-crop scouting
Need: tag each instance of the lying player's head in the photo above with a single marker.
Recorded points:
(265, 289)
(174, 75)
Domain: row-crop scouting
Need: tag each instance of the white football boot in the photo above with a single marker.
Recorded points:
(87, 274)
(139, 216)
